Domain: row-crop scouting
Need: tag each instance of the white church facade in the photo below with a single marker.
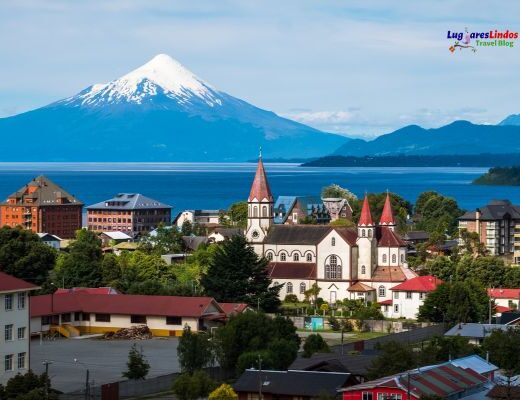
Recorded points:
(354, 263)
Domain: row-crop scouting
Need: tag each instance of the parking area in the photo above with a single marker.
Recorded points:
(105, 359)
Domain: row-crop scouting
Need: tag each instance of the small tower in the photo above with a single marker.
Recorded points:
(387, 217)
(259, 207)
(367, 243)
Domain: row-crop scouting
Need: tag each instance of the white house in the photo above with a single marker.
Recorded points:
(50, 240)
(505, 299)
(14, 325)
(408, 296)
(200, 217)
(362, 263)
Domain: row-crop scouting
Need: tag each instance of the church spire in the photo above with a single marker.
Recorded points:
(366, 216)
(387, 217)
(260, 189)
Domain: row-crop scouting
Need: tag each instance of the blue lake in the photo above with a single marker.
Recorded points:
(217, 185)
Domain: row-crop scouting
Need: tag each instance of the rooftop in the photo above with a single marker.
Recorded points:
(9, 283)
(41, 191)
(291, 270)
(129, 201)
(426, 283)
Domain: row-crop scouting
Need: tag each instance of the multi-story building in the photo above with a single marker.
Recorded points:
(128, 212)
(206, 218)
(14, 326)
(496, 225)
(43, 206)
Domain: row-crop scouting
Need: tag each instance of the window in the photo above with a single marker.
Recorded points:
(366, 396)
(296, 257)
(8, 362)
(363, 233)
(303, 288)
(309, 257)
(382, 291)
(77, 316)
(384, 258)
(8, 332)
(421, 296)
(363, 270)
(8, 302)
(21, 300)
(269, 256)
(138, 319)
(289, 287)
(408, 295)
(283, 257)
(21, 333)
(264, 211)
(396, 295)
(173, 320)
(396, 308)
(333, 241)
(402, 258)
(369, 232)
(333, 269)
(65, 318)
(21, 360)
(102, 317)
(394, 258)
(255, 211)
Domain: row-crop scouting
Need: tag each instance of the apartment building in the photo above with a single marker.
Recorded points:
(14, 325)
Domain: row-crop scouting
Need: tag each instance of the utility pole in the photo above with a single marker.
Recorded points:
(259, 377)
(408, 386)
(46, 391)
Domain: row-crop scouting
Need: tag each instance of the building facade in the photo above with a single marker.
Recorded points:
(43, 206)
(14, 325)
(361, 263)
(207, 218)
(131, 213)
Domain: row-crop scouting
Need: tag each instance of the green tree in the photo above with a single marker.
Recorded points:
(235, 216)
(223, 392)
(167, 240)
(283, 353)
(395, 357)
(336, 191)
(444, 348)
(193, 387)
(137, 366)
(437, 213)
(314, 343)
(24, 255)
(81, 266)
(255, 359)
(503, 351)
(194, 351)
(237, 274)
(27, 387)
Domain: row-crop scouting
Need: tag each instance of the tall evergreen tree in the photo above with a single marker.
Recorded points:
(237, 274)
(137, 366)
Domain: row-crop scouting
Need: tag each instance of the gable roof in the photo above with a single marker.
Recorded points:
(41, 191)
(495, 210)
(291, 383)
(260, 189)
(233, 308)
(476, 330)
(9, 283)
(291, 270)
(129, 201)
(296, 234)
(426, 283)
(117, 235)
(500, 293)
(388, 274)
(388, 238)
(360, 287)
(357, 364)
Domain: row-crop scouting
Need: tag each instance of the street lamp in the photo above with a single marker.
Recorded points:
(87, 379)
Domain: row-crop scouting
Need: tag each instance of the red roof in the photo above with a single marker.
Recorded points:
(9, 283)
(125, 304)
(366, 216)
(389, 238)
(504, 293)
(386, 302)
(360, 287)
(387, 217)
(260, 189)
(233, 308)
(426, 283)
(100, 290)
(292, 270)
(502, 309)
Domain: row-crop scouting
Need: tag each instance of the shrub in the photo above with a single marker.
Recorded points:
(223, 392)
(313, 344)
(291, 298)
(192, 387)
(334, 324)
(347, 325)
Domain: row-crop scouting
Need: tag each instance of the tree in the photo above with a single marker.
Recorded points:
(237, 274)
(444, 348)
(395, 358)
(167, 240)
(223, 392)
(192, 387)
(194, 351)
(314, 343)
(27, 387)
(137, 366)
(312, 293)
(235, 216)
(471, 243)
(81, 266)
(436, 213)
(336, 191)
(24, 255)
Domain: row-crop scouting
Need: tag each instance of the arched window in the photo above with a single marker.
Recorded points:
(394, 258)
(333, 241)
(283, 257)
(269, 256)
(402, 258)
(264, 211)
(333, 268)
(296, 257)
(289, 287)
(309, 257)
(255, 211)
(369, 232)
(363, 270)
(303, 287)
(382, 291)
(384, 258)
(363, 233)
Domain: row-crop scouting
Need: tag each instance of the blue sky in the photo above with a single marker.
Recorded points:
(357, 67)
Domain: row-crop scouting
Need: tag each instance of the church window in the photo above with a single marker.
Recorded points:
(333, 269)
(264, 211)
(289, 287)
(283, 257)
(369, 232)
(333, 241)
(363, 233)
(394, 258)
(384, 258)
(309, 257)
(363, 270)
(296, 257)
(303, 287)
(382, 291)
(402, 258)
(269, 256)
(255, 211)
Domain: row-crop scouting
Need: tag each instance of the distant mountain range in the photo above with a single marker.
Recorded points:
(158, 112)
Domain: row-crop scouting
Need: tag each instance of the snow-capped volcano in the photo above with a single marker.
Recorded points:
(162, 76)
(159, 112)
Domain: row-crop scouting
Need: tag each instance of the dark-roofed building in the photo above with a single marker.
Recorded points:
(495, 225)
(132, 213)
(42, 206)
(293, 210)
(290, 385)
